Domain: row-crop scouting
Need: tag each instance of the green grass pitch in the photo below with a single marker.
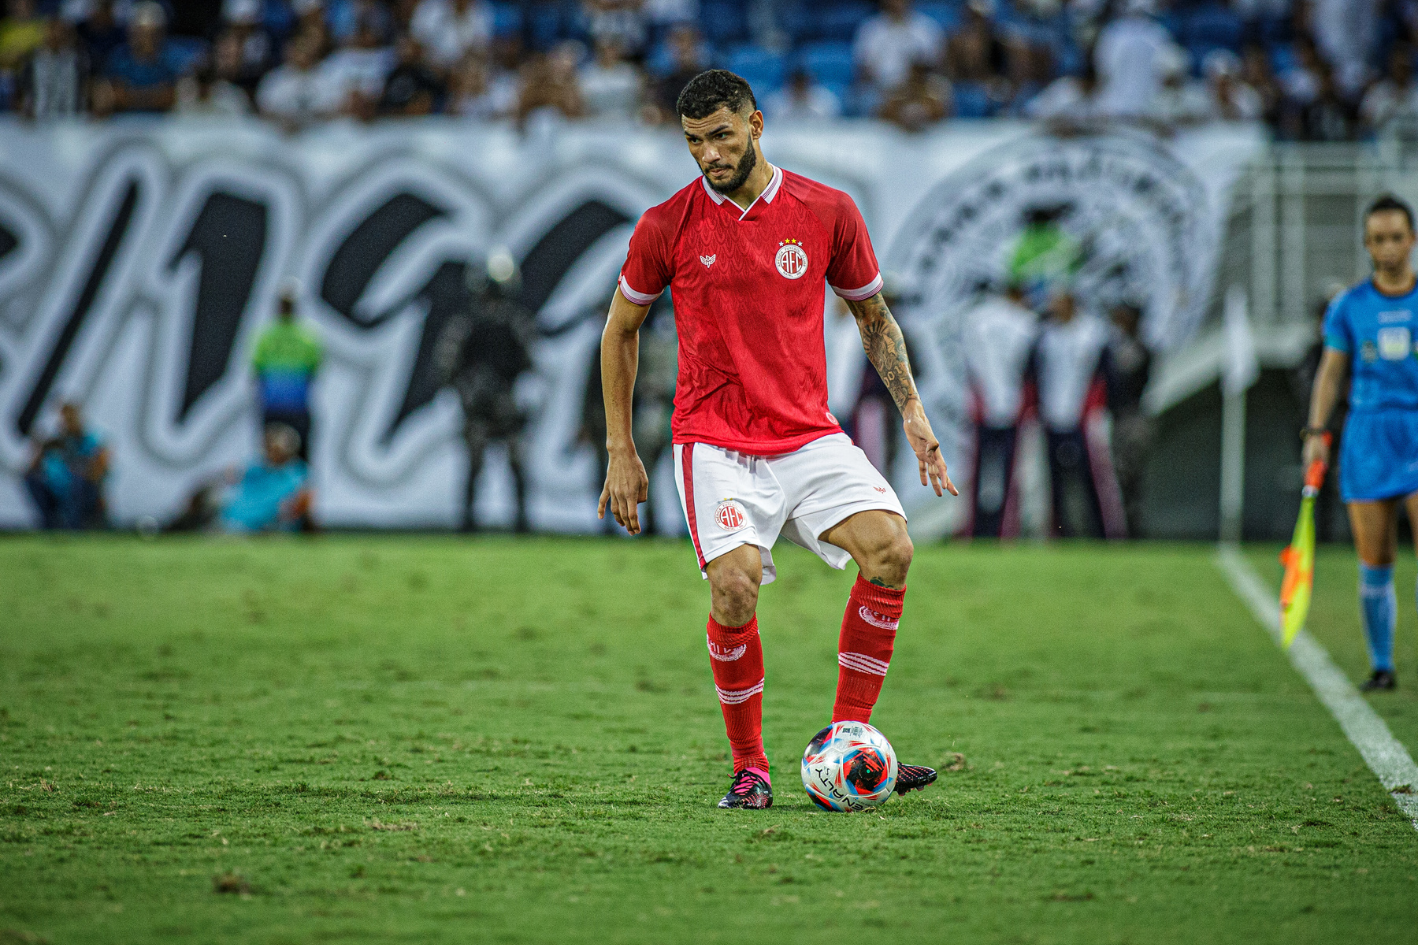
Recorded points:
(433, 740)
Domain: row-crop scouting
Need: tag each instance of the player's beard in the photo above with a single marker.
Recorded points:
(745, 167)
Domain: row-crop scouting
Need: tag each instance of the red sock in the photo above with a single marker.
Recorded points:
(736, 655)
(864, 648)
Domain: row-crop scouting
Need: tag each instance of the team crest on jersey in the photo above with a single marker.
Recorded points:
(791, 260)
(730, 516)
(708, 260)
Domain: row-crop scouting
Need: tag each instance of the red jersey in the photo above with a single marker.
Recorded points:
(748, 294)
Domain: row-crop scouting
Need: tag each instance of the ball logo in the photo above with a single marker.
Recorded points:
(729, 516)
(791, 260)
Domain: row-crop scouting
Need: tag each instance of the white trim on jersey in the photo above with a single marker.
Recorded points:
(639, 298)
(767, 196)
(862, 294)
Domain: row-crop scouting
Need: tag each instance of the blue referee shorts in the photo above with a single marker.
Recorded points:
(1379, 456)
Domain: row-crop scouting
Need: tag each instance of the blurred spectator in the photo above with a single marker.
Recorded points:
(450, 29)
(99, 31)
(550, 86)
(1179, 100)
(299, 92)
(1346, 33)
(286, 360)
(668, 13)
(213, 90)
(1068, 369)
(481, 353)
(1229, 98)
(361, 66)
(1395, 96)
(922, 100)
(471, 93)
(888, 44)
(54, 82)
(977, 51)
(256, 46)
(621, 21)
(1068, 100)
(1129, 367)
(1126, 57)
(610, 85)
(412, 88)
(272, 494)
(1257, 74)
(67, 473)
(998, 337)
(142, 74)
(802, 99)
(688, 59)
(22, 31)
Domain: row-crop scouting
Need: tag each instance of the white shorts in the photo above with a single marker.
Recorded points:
(732, 499)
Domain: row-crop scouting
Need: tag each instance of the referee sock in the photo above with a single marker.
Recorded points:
(864, 648)
(1379, 606)
(736, 656)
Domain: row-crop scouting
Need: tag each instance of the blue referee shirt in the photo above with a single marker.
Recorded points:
(1379, 333)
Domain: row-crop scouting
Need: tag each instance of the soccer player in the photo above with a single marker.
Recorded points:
(1369, 335)
(747, 249)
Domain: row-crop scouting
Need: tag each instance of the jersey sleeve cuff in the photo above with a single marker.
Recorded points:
(856, 295)
(1338, 344)
(639, 298)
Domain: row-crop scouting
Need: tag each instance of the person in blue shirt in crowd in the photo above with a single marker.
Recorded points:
(66, 477)
(272, 494)
(1369, 335)
(142, 74)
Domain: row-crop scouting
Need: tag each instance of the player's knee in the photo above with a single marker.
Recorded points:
(735, 596)
(896, 555)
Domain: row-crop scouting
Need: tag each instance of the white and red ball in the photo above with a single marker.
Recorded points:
(849, 766)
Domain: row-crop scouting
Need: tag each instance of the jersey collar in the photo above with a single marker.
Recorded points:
(767, 196)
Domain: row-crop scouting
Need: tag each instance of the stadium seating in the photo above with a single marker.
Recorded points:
(972, 100)
(828, 62)
(723, 21)
(764, 69)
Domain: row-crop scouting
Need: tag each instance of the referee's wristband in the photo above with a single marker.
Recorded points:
(1307, 432)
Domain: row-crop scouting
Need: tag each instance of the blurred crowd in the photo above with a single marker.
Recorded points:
(1313, 69)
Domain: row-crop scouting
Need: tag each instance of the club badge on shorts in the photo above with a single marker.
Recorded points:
(791, 260)
(730, 516)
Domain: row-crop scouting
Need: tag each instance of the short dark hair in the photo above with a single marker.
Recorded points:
(710, 91)
(1387, 203)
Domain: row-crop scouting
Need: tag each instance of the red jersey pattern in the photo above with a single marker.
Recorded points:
(748, 290)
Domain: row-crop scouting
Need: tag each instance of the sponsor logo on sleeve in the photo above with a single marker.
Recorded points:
(708, 260)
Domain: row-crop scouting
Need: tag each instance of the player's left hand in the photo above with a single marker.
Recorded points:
(927, 449)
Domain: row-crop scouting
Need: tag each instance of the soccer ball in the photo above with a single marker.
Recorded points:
(849, 766)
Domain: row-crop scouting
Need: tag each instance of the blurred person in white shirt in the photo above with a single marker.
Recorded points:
(449, 29)
(1068, 100)
(213, 91)
(610, 85)
(1395, 96)
(887, 44)
(1179, 100)
(1126, 57)
(1229, 98)
(623, 21)
(1347, 34)
(360, 67)
(299, 92)
(802, 99)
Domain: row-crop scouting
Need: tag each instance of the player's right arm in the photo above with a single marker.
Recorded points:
(626, 484)
(1329, 380)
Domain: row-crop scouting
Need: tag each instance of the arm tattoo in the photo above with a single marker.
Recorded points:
(885, 348)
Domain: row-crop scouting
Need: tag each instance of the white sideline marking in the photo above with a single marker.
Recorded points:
(1384, 754)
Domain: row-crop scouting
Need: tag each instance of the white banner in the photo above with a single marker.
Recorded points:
(139, 261)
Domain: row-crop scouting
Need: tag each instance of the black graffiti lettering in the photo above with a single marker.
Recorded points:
(9, 242)
(24, 423)
(229, 238)
(555, 253)
(359, 257)
(444, 294)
